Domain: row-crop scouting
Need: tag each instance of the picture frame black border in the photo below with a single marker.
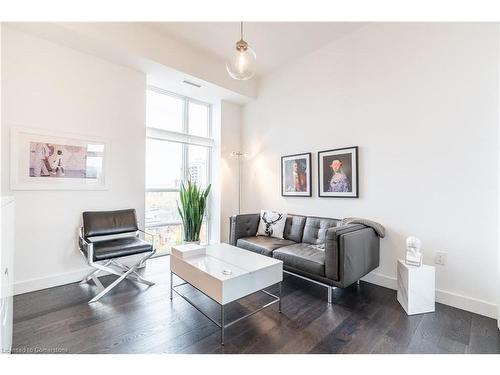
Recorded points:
(357, 172)
(310, 176)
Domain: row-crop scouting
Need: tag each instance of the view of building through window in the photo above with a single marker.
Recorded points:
(171, 159)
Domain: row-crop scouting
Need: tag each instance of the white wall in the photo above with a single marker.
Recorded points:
(230, 140)
(142, 47)
(1, 27)
(421, 102)
(49, 86)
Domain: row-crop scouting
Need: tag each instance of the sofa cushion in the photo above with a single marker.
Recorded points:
(294, 228)
(243, 226)
(315, 229)
(262, 245)
(302, 256)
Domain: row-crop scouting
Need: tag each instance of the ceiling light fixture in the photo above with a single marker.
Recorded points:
(242, 63)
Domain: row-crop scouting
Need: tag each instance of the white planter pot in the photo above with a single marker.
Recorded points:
(190, 242)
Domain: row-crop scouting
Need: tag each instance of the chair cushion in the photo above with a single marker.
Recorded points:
(105, 223)
(302, 256)
(120, 247)
(315, 229)
(294, 228)
(262, 244)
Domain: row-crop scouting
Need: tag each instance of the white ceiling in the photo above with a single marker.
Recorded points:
(275, 43)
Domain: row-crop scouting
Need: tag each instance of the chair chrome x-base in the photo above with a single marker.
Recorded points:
(121, 241)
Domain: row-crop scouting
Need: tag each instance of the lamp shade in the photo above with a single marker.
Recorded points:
(242, 63)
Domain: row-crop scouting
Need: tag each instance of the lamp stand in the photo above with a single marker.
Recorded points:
(239, 154)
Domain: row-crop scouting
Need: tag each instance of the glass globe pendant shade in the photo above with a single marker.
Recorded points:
(242, 63)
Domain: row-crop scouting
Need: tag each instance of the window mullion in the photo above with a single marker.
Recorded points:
(185, 156)
(209, 122)
(186, 116)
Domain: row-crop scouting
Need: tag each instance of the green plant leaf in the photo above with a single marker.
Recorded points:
(191, 206)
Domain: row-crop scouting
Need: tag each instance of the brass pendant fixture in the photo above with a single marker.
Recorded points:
(242, 63)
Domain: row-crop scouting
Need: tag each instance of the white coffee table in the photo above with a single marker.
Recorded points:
(249, 273)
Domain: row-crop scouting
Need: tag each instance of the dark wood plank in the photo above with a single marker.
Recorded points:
(358, 332)
(137, 319)
(484, 337)
(445, 331)
(401, 330)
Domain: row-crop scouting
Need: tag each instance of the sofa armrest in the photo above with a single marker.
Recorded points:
(351, 251)
(240, 226)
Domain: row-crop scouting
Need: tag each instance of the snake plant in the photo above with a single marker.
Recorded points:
(193, 201)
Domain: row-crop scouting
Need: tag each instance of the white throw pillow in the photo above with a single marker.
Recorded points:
(272, 224)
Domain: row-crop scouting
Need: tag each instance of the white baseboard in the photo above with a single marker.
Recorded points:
(467, 303)
(32, 285)
(382, 280)
(442, 296)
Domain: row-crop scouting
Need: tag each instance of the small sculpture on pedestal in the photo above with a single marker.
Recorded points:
(413, 254)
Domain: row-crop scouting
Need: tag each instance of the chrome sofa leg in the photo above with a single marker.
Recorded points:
(330, 295)
(358, 282)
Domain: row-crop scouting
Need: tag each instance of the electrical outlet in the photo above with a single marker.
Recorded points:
(441, 258)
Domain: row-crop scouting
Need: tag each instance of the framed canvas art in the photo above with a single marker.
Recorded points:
(338, 173)
(51, 160)
(296, 175)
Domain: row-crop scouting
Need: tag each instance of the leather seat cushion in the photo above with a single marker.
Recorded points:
(262, 244)
(120, 247)
(303, 257)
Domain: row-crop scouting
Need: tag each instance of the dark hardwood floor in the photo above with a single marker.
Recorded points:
(136, 319)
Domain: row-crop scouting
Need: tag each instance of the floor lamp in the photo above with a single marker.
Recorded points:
(239, 155)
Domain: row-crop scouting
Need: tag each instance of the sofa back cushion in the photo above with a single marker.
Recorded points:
(315, 229)
(294, 228)
(243, 225)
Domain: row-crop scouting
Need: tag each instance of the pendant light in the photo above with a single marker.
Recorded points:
(242, 63)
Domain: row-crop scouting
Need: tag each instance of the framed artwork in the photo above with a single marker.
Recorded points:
(338, 173)
(296, 175)
(51, 160)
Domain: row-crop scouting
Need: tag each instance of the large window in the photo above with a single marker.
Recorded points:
(178, 147)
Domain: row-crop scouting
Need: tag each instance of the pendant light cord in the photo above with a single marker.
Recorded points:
(241, 30)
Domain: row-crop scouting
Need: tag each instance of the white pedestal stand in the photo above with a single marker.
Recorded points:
(416, 288)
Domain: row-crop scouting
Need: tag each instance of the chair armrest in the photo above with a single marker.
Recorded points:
(151, 235)
(240, 226)
(86, 244)
(351, 251)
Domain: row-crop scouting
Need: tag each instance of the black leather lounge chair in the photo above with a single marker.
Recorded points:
(110, 235)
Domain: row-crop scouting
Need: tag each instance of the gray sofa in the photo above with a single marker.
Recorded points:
(314, 248)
